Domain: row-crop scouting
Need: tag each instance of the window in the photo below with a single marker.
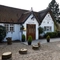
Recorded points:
(47, 28)
(9, 27)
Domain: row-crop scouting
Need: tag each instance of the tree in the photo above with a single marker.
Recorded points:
(2, 33)
(55, 9)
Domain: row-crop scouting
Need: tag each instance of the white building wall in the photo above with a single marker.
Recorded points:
(31, 21)
(45, 21)
(16, 34)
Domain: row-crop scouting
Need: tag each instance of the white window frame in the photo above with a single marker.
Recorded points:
(48, 28)
(8, 27)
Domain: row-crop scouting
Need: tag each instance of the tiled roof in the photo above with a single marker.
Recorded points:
(24, 17)
(10, 15)
(14, 15)
(43, 13)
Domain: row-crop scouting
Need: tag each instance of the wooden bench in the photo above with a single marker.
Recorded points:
(6, 55)
(23, 51)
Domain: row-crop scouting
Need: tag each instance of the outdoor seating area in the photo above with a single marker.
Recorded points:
(20, 51)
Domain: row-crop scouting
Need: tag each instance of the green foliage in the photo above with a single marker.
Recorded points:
(23, 38)
(40, 29)
(29, 38)
(58, 32)
(51, 34)
(48, 37)
(2, 33)
(22, 27)
(55, 9)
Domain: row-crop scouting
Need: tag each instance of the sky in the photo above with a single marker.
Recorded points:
(37, 5)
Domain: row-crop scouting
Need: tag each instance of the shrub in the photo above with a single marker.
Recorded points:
(2, 33)
(51, 34)
(23, 38)
(40, 29)
(30, 39)
(48, 38)
(22, 27)
(58, 32)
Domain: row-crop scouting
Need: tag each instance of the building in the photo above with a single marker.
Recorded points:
(13, 19)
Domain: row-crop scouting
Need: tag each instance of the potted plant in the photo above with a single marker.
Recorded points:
(22, 27)
(48, 38)
(9, 40)
(29, 40)
(23, 38)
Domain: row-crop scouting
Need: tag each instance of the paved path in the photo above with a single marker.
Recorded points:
(47, 51)
(43, 41)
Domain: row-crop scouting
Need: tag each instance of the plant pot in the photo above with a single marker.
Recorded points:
(48, 40)
(23, 40)
(9, 40)
(29, 43)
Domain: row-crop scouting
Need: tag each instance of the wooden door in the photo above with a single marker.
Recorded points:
(31, 30)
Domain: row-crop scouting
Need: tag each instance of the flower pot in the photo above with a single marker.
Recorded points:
(48, 40)
(23, 38)
(9, 40)
(29, 43)
(29, 40)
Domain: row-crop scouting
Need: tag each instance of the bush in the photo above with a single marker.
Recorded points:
(58, 32)
(40, 29)
(2, 33)
(22, 27)
(30, 39)
(23, 38)
(48, 38)
(51, 34)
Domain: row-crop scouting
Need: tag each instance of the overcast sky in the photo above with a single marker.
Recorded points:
(37, 5)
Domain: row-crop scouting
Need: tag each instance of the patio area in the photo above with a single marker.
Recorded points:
(47, 51)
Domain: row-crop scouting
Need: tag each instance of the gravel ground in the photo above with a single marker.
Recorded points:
(47, 51)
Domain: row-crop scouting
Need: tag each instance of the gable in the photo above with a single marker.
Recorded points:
(31, 20)
(48, 17)
(47, 20)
